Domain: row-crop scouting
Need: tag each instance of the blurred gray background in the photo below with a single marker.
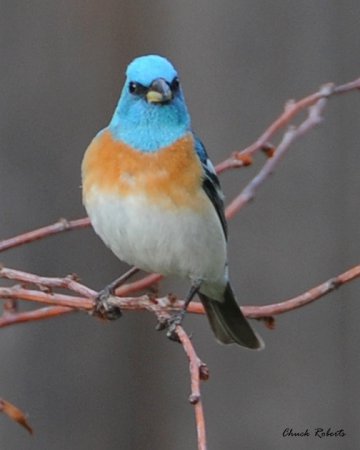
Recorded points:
(89, 385)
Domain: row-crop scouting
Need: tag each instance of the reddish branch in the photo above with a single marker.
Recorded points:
(64, 303)
(293, 133)
(292, 109)
(267, 311)
(59, 303)
(198, 371)
(40, 233)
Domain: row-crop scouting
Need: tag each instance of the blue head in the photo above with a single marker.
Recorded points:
(151, 112)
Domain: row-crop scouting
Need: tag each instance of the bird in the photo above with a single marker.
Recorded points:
(152, 195)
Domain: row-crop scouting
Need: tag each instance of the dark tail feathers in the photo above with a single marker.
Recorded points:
(228, 322)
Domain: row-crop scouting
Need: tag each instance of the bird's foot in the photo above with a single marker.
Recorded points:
(170, 325)
(103, 308)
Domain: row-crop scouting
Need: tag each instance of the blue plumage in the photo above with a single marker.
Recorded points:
(148, 126)
(146, 68)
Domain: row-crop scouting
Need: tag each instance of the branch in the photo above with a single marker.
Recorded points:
(292, 109)
(32, 316)
(66, 303)
(318, 102)
(260, 312)
(41, 233)
(198, 371)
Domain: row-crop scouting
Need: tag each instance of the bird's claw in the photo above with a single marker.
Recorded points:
(103, 308)
(170, 325)
(171, 333)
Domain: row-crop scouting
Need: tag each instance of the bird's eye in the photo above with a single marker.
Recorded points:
(175, 84)
(132, 87)
(137, 88)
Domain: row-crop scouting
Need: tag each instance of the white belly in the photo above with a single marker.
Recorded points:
(168, 241)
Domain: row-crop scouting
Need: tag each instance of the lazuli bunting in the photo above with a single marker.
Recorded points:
(153, 196)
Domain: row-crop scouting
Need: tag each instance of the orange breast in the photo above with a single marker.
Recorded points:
(172, 175)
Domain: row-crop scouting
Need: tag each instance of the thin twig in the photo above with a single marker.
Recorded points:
(198, 371)
(195, 367)
(69, 282)
(139, 285)
(18, 293)
(258, 312)
(47, 312)
(292, 109)
(41, 233)
(294, 133)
